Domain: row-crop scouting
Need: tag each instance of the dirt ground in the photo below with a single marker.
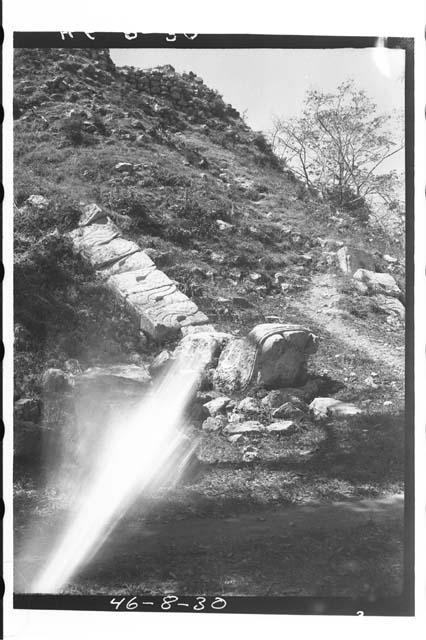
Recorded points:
(351, 548)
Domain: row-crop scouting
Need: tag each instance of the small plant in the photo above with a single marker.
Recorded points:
(73, 129)
(100, 124)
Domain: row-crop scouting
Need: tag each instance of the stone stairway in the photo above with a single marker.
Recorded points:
(151, 296)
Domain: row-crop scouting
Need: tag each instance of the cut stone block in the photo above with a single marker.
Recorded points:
(273, 355)
(163, 320)
(106, 254)
(134, 262)
(150, 284)
(94, 234)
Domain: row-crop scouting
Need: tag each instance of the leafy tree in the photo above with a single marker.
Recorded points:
(338, 146)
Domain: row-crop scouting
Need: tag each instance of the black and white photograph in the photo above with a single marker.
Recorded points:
(213, 347)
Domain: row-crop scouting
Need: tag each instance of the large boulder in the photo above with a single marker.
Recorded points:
(351, 259)
(378, 282)
(272, 355)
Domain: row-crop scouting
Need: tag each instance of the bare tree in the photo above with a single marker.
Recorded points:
(338, 146)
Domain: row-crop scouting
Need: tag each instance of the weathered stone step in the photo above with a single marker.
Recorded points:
(162, 310)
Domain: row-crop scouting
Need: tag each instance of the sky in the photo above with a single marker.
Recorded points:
(263, 83)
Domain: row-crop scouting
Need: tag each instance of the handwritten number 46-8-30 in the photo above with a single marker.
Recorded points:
(170, 601)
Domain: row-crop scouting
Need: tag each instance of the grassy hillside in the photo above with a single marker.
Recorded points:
(76, 117)
(207, 199)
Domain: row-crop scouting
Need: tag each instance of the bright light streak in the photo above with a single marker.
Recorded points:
(134, 455)
(381, 57)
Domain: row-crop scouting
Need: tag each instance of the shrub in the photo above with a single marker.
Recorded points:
(73, 129)
(100, 124)
(130, 202)
(196, 221)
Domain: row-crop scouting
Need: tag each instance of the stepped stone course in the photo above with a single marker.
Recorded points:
(162, 310)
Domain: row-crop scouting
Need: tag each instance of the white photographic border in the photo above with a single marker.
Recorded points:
(314, 17)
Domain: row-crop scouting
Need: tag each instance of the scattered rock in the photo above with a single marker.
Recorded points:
(390, 305)
(214, 423)
(361, 287)
(369, 381)
(257, 278)
(296, 395)
(38, 202)
(236, 417)
(287, 410)
(224, 226)
(234, 438)
(217, 405)
(250, 454)
(323, 407)
(219, 258)
(122, 167)
(249, 407)
(283, 426)
(390, 259)
(73, 366)
(249, 426)
(378, 282)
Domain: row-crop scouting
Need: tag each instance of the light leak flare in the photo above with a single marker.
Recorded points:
(149, 446)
